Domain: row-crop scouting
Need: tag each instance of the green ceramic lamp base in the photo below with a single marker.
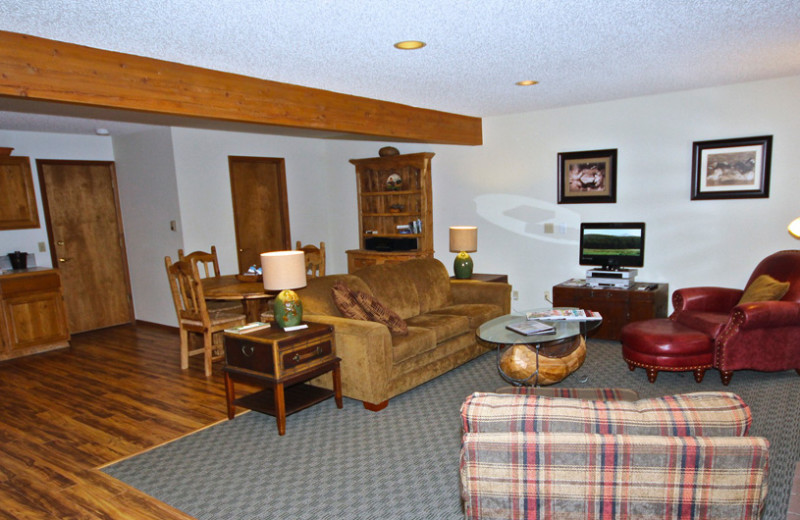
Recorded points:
(462, 267)
(288, 309)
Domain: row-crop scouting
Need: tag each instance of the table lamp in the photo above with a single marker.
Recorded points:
(283, 271)
(794, 227)
(463, 240)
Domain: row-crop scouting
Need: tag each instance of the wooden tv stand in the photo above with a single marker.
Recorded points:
(618, 306)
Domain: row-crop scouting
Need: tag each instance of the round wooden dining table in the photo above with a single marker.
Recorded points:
(228, 287)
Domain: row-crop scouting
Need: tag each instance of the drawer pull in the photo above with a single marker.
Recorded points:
(248, 350)
(296, 358)
(318, 351)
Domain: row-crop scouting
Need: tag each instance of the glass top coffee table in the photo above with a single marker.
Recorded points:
(538, 359)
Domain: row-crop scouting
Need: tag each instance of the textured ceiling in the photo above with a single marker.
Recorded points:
(579, 51)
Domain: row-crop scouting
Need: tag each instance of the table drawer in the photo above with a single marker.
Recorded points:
(306, 354)
(249, 355)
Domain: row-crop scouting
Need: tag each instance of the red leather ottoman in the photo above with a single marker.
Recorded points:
(663, 344)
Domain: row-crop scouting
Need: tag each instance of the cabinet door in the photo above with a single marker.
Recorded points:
(35, 319)
(17, 198)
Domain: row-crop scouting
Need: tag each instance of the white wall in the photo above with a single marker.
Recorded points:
(40, 145)
(507, 187)
(148, 194)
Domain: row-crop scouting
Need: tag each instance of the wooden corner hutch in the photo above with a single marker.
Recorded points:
(393, 191)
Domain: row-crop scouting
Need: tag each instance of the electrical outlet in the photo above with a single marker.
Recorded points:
(42, 247)
(515, 295)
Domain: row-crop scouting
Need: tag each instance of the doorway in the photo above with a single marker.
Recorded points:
(87, 244)
(260, 207)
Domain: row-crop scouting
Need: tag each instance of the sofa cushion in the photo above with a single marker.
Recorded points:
(445, 326)
(709, 323)
(432, 281)
(476, 313)
(711, 414)
(764, 288)
(317, 297)
(393, 286)
(347, 304)
(377, 311)
(417, 341)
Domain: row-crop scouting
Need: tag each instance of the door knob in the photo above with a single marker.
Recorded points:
(64, 260)
(60, 242)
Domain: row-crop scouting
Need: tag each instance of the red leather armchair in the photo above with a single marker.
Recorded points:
(762, 335)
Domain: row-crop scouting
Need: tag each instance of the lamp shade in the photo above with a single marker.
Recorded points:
(283, 270)
(463, 238)
(794, 227)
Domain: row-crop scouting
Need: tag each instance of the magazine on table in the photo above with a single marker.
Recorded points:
(564, 314)
(530, 327)
(250, 327)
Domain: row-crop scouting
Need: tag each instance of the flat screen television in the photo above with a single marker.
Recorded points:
(612, 245)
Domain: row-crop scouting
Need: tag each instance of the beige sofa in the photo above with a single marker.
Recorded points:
(442, 315)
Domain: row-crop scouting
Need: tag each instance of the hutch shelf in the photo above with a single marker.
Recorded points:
(395, 221)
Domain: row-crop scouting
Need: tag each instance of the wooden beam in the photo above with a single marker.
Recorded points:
(49, 70)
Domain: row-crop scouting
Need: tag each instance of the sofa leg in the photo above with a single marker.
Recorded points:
(372, 407)
(652, 374)
(726, 376)
(797, 370)
(631, 367)
(698, 374)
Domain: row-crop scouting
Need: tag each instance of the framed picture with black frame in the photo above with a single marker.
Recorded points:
(585, 177)
(731, 168)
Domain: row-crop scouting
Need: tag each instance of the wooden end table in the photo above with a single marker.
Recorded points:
(281, 362)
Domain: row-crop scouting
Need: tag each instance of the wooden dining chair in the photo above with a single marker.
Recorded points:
(208, 266)
(193, 313)
(315, 259)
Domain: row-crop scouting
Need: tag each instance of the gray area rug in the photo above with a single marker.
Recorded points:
(402, 462)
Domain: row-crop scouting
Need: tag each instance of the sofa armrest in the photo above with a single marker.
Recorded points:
(648, 476)
(474, 291)
(706, 299)
(365, 348)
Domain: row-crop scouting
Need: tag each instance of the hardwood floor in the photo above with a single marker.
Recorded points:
(113, 393)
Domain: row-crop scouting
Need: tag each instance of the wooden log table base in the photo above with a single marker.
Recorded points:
(524, 364)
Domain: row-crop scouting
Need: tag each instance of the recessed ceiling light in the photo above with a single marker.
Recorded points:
(527, 83)
(409, 45)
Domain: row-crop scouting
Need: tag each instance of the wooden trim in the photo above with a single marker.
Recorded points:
(48, 70)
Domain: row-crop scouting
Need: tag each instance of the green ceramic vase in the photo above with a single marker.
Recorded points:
(462, 267)
(288, 309)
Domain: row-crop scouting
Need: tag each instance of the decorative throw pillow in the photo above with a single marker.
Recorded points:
(764, 288)
(378, 312)
(346, 302)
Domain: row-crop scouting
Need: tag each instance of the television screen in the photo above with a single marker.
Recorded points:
(612, 245)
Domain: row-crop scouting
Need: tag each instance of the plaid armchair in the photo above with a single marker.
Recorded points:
(675, 457)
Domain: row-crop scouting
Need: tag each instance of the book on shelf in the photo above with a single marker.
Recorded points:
(564, 314)
(530, 327)
(248, 327)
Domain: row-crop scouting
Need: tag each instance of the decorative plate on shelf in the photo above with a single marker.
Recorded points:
(394, 182)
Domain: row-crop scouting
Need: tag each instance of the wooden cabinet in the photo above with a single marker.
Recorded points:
(33, 318)
(393, 191)
(617, 306)
(17, 199)
(280, 361)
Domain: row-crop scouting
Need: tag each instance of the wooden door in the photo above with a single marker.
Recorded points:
(260, 207)
(86, 241)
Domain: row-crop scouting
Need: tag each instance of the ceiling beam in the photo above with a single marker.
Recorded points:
(48, 70)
